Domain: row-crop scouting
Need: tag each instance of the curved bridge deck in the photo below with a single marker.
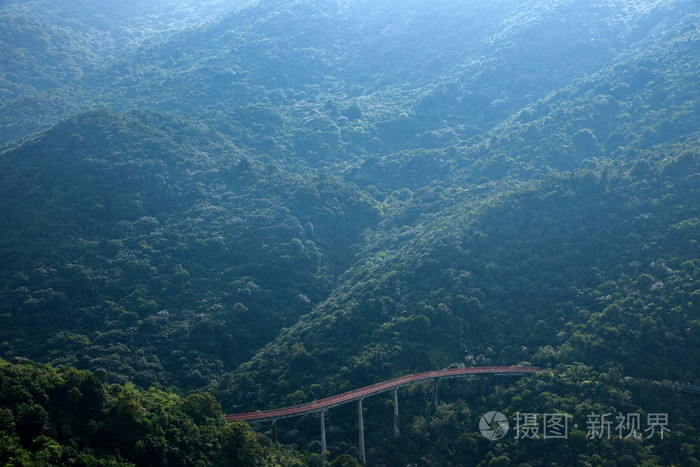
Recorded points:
(378, 388)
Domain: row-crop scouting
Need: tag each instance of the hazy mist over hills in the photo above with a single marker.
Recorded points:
(225, 206)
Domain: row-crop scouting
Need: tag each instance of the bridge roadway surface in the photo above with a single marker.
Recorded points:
(378, 388)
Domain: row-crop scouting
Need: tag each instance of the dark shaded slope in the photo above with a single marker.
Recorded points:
(153, 250)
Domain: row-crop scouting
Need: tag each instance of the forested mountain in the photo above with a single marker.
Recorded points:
(312, 80)
(45, 45)
(70, 417)
(117, 238)
(278, 201)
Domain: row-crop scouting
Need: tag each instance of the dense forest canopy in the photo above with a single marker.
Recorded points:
(223, 206)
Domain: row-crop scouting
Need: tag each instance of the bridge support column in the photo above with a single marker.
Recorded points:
(435, 393)
(323, 432)
(274, 431)
(396, 413)
(484, 382)
(360, 422)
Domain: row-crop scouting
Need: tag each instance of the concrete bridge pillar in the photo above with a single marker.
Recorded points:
(323, 432)
(435, 393)
(396, 413)
(360, 422)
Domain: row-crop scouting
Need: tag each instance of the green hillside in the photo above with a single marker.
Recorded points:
(46, 45)
(288, 79)
(218, 207)
(118, 240)
(70, 417)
